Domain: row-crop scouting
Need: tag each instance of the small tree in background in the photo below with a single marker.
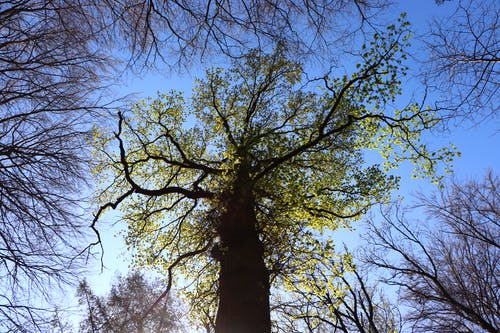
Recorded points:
(126, 308)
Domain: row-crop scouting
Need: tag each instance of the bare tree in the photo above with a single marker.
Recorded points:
(464, 46)
(448, 271)
(48, 78)
(465, 55)
(181, 31)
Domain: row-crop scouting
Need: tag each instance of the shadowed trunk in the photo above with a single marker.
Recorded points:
(243, 277)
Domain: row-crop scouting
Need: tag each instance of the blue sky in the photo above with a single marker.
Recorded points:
(477, 144)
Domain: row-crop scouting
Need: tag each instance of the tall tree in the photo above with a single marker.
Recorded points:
(246, 176)
(448, 271)
(337, 297)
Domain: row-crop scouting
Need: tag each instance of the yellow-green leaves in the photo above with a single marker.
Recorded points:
(172, 163)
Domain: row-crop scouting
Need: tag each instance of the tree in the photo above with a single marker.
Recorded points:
(124, 309)
(49, 73)
(464, 58)
(447, 271)
(260, 169)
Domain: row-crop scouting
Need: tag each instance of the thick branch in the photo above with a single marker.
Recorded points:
(167, 189)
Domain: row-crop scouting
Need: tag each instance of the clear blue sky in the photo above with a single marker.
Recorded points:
(478, 145)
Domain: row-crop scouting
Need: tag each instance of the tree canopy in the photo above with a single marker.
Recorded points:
(50, 80)
(258, 143)
(258, 165)
(123, 309)
(182, 32)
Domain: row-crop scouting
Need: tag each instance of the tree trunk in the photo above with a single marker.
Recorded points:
(243, 277)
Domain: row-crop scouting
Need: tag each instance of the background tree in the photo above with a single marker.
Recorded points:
(464, 59)
(59, 324)
(52, 60)
(123, 309)
(49, 74)
(447, 271)
(262, 166)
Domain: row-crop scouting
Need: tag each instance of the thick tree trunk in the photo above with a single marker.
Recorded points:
(243, 277)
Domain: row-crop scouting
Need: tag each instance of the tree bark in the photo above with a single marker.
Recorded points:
(243, 277)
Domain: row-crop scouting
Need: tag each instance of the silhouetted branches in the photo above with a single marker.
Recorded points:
(447, 271)
(465, 55)
(180, 31)
(49, 76)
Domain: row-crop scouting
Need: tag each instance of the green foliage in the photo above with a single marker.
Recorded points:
(178, 160)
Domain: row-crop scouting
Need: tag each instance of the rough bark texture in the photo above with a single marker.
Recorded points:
(244, 278)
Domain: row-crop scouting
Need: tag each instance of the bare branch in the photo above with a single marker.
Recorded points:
(448, 270)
